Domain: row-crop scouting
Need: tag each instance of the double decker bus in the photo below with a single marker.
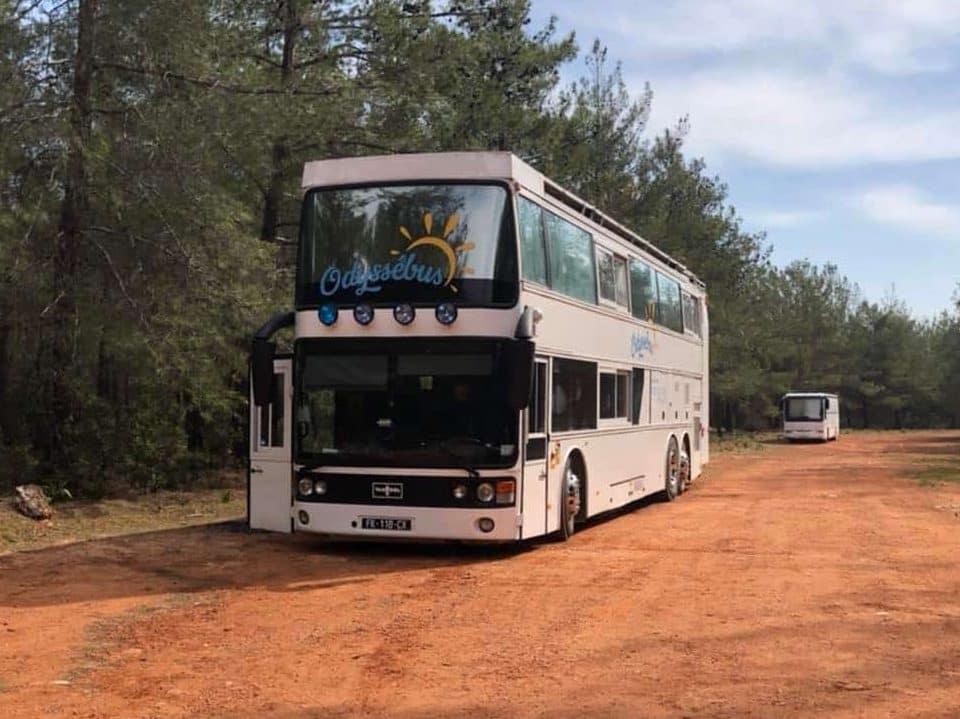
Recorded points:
(479, 355)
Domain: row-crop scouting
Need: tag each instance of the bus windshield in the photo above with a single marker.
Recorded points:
(411, 243)
(428, 404)
(803, 409)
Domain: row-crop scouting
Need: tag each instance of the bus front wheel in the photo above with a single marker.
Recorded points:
(671, 488)
(570, 501)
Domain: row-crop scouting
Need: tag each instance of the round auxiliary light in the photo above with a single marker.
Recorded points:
(303, 517)
(460, 491)
(328, 314)
(446, 313)
(363, 314)
(305, 486)
(320, 487)
(485, 524)
(485, 492)
(404, 313)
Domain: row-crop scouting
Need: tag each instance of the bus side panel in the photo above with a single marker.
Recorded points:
(626, 466)
(622, 466)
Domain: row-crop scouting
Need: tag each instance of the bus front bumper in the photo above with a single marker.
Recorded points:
(805, 433)
(405, 522)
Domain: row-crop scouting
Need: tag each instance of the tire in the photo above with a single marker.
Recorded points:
(685, 470)
(671, 478)
(571, 499)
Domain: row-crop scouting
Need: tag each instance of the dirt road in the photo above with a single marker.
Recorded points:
(814, 580)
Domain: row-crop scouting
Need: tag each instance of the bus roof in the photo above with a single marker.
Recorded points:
(810, 394)
(471, 166)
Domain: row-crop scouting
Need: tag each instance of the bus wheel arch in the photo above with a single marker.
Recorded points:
(573, 493)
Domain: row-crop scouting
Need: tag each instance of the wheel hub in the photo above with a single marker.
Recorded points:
(572, 494)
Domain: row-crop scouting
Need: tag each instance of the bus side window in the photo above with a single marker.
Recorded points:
(536, 415)
(271, 416)
(532, 251)
(691, 314)
(636, 403)
(571, 261)
(669, 311)
(574, 395)
(643, 290)
(276, 411)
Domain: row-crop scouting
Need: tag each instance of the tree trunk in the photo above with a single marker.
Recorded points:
(74, 218)
(280, 152)
(4, 378)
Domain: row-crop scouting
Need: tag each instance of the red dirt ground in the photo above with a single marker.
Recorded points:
(811, 580)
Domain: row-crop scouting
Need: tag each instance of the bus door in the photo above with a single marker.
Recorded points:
(269, 482)
(535, 455)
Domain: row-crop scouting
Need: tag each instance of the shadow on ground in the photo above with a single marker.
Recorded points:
(213, 557)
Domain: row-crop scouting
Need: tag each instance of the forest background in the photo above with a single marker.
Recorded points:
(150, 156)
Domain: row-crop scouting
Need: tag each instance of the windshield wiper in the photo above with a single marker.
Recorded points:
(469, 469)
(474, 474)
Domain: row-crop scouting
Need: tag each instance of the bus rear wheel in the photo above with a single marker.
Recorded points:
(571, 493)
(685, 470)
(671, 488)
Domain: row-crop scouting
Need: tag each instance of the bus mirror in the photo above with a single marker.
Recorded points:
(826, 404)
(261, 370)
(527, 325)
(519, 374)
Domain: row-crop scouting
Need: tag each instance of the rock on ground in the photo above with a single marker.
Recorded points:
(30, 501)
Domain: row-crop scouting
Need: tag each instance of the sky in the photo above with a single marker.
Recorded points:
(834, 123)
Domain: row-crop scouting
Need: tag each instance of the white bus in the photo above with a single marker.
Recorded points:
(478, 355)
(810, 415)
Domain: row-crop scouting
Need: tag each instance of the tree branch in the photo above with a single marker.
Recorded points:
(118, 278)
(214, 84)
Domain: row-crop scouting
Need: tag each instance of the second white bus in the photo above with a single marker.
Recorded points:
(811, 416)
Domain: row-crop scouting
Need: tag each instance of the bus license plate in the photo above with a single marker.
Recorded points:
(393, 524)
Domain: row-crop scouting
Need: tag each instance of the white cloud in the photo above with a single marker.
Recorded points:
(779, 219)
(815, 84)
(907, 207)
(795, 120)
(889, 36)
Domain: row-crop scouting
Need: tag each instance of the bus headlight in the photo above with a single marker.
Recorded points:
(320, 487)
(446, 313)
(363, 314)
(460, 491)
(485, 492)
(328, 314)
(305, 486)
(404, 313)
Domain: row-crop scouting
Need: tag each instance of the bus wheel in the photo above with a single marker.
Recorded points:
(671, 488)
(570, 501)
(684, 479)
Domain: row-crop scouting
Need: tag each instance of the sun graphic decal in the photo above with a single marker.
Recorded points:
(452, 254)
